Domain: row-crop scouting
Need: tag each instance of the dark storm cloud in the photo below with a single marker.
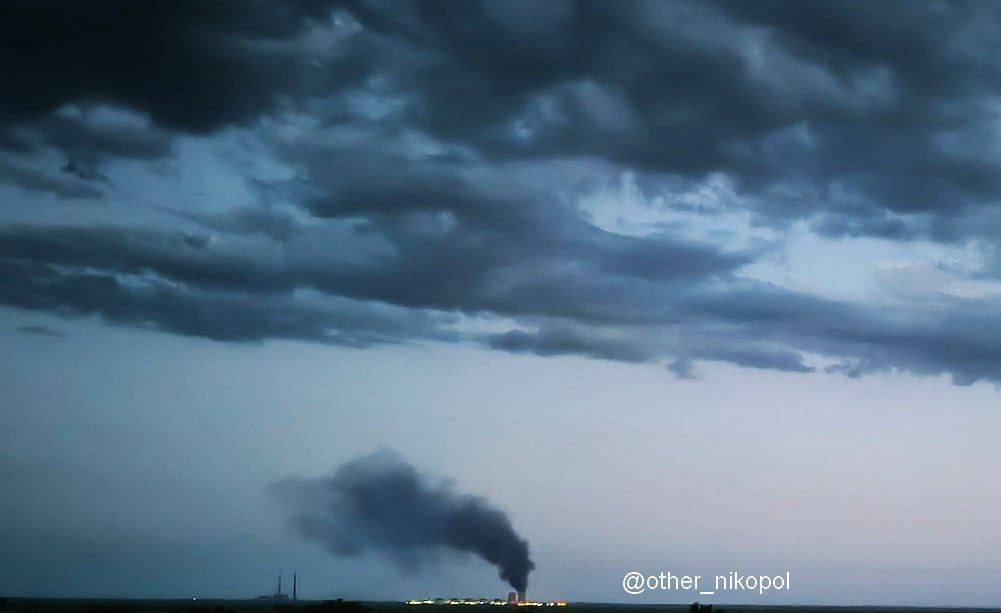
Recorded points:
(85, 139)
(189, 65)
(276, 224)
(165, 283)
(379, 502)
(754, 358)
(521, 265)
(845, 105)
(879, 108)
(566, 342)
(434, 157)
(34, 180)
(40, 331)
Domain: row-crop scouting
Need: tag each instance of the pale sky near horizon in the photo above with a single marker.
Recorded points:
(686, 286)
(138, 466)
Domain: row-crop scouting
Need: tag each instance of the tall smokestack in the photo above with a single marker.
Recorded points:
(279, 583)
(379, 502)
(295, 585)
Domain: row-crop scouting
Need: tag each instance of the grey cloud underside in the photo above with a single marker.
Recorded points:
(567, 306)
(40, 331)
(850, 122)
(853, 113)
(192, 65)
(446, 145)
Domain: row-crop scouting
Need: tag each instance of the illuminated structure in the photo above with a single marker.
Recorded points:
(514, 599)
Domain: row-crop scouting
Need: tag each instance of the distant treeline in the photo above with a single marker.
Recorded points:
(29, 605)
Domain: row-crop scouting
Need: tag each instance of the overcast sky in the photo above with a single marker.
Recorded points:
(693, 286)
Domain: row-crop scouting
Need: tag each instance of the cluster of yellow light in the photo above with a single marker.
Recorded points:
(458, 601)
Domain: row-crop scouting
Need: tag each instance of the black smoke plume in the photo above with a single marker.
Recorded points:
(379, 502)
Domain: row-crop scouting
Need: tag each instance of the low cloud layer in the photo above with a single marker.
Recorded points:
(413, 172)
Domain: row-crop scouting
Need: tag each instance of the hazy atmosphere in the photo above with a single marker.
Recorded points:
(688, 286)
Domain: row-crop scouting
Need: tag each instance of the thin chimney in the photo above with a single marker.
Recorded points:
(295, 578)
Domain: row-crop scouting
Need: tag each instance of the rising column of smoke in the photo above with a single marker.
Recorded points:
(380, 502)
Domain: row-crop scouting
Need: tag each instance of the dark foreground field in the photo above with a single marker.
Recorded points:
(36, 605)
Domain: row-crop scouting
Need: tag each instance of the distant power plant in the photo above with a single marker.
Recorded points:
(280, 593)
(514, 599)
